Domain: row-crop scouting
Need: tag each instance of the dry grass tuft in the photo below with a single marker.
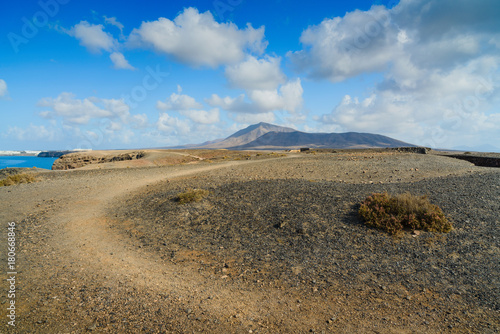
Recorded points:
(394, 213)
(191, 195)
(17, 179)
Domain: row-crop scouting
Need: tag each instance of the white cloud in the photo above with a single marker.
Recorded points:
(114, 22)
(236, 104)
(79, 112)
(120, 62)
(427, 107)
(287, 98)
(253, 73)
(179, 102)
(73, 110)
(369, 41)
(3, 88)
(340, 48)
(202, 116)
(139, 121)
(197, 39)
(93, 37)
(267, 117)
(189, 107)
(441, 72)
(34, 133)
(171, 126)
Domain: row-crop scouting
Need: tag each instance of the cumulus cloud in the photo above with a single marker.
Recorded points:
(197, 39)
(253, 73)
(440, 71)
(96, 40)
(337, 48)
(267, 117)
(93, 37)
(34, 133)
(169, 125)
(288, 98)
(139, 121)
(73, 110)
(189, 107)
(433, 109)
(114, 22)
(3, 88)
(120, 62)
(236, 104)
(369, 41)
(78, 112)
(203, 116)
(178, 102)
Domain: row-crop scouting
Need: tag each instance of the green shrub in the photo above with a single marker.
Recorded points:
(191, 195)
(18, 178)
(394, 213)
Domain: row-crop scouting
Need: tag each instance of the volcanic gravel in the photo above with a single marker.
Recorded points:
(306, 234)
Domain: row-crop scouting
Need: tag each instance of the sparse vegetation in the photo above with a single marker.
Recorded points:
(191, 195)
(394, 213)
(17, 179)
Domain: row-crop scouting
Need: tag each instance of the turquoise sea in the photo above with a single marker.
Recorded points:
(19, 161)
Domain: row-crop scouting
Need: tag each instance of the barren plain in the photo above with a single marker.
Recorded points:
(275, 247)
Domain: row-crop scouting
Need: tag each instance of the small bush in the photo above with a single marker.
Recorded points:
(17, 179)
(394, 213)
(191, 195)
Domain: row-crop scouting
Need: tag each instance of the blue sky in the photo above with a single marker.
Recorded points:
(136, 74)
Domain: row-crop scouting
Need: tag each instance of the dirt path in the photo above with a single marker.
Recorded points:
(73, 245)
(86, 236)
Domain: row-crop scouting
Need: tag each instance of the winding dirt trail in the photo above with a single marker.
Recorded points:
(86, 236)
(80, 244)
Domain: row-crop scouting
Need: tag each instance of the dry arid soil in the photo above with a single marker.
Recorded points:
(275, 247)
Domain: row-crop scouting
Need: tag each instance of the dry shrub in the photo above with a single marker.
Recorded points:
(394, 213)
(191, 195)
(17, 179)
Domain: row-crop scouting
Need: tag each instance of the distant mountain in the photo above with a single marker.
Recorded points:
(268, 136)
(246, 136)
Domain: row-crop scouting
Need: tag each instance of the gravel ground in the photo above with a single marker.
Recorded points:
(303, 232)
(276, 247)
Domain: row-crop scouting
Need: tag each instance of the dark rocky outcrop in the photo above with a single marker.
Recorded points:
(53, 154)
(77, 160)
(479, 161)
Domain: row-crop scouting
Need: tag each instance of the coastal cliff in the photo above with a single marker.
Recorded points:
(80, 159)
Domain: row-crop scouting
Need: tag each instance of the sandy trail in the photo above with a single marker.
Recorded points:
(86, 236)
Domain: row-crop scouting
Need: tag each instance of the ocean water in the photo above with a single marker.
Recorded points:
(18, 161)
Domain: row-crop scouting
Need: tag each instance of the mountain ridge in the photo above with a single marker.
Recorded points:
(269, 136)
